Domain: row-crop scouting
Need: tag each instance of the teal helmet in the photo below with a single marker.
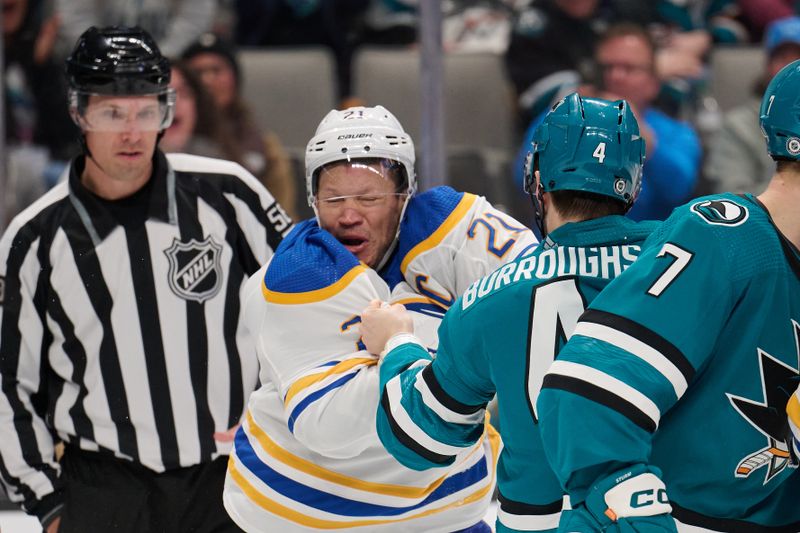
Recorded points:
(589, 145)
(780, 113)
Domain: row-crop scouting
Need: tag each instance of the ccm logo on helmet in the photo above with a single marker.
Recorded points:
(353, 136)
(643, 498)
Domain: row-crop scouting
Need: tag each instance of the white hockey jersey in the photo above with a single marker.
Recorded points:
(308, 455)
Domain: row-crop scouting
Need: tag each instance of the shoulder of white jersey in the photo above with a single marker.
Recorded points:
(429, 218)
(309, 265)
(210, 165)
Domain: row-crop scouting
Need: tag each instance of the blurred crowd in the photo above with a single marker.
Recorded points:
(653, 53)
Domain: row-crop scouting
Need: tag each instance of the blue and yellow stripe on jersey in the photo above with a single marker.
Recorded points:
(303, 492)
(294, 275)
(423, 305)
(319, 381)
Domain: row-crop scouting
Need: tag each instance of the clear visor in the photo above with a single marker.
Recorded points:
(380, 168)
(146, 112)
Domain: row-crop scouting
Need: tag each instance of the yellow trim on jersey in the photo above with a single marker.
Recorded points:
(495, 440)
(307, 467)
(793, 409)
(295, 516)
(308, 381)
(419, 300)
(290, 298)
(454, 218)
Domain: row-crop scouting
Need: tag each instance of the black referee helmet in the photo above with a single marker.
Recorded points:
(118, 61)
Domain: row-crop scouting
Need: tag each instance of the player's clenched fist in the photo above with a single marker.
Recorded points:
(380, 322)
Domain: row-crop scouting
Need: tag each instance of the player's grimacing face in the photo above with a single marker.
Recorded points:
(359, 206)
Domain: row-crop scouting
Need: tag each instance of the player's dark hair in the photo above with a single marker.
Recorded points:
(582, 205)
(787, 165)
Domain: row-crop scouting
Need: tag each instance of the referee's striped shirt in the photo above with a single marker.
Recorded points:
(120, 328)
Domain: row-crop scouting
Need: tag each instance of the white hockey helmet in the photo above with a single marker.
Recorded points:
(355, 133)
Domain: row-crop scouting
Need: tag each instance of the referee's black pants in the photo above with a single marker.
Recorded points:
(108, 495)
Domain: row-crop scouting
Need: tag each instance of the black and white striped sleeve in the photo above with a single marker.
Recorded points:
(28, 468)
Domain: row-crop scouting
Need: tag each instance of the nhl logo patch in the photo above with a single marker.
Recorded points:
(195, 269)
(721, 212)
(793, 145)
(619, 186)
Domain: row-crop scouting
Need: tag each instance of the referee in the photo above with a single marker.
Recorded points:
(120, 323)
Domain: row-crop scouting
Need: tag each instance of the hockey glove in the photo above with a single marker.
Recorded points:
(632, 500)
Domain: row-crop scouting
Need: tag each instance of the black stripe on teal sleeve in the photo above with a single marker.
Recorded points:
(520, 508)
(445, 399)
(603, 397)
(406, 440)
(644, 335)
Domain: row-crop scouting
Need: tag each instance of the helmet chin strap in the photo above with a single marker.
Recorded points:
(88, 154)
(537, 199)
(393, 245)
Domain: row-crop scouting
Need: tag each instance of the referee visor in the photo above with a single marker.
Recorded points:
(117, 113)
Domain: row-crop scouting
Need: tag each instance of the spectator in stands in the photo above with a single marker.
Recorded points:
(550, 51)
(39, 134)
(213, 60)
(196, 125)
(758, 14)
(722, 19)
(625, 59)
(468, 26)
(330, 23)
(172, 23)
(390, 22)
(553, 41)
(737, 161)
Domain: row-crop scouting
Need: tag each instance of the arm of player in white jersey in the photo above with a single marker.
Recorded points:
(310, 350)
(330, 407)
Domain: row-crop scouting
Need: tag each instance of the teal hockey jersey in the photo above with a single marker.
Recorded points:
(500, 337)
(686, 362)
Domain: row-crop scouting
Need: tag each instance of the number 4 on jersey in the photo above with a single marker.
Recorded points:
(555, 308)
(600, 152)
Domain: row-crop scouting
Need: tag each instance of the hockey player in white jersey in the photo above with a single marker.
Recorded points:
(308, 456)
